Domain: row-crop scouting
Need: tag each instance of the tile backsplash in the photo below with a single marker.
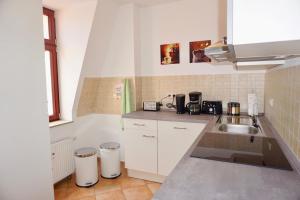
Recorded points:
(282, 104)
(229, 87)
(97, 93)
(88, 96)
(97, 96)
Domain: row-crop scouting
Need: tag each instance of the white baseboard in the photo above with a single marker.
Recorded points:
(146, 176)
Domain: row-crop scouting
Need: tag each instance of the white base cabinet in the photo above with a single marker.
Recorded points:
(174, 139)
(141, 145)
(153, 148)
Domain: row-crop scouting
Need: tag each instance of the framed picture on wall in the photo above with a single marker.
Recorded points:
(169, 54)
(197, 51)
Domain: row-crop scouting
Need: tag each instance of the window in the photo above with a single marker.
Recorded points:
(51, 64)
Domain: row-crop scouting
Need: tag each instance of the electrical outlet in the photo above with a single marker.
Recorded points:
(271, 102)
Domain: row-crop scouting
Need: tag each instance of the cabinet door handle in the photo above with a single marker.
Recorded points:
(148, 136)
(136, 124)
(180, 128)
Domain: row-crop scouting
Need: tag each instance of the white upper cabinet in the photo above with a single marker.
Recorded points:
(260, 21)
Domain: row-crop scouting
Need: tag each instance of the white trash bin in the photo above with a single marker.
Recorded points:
(86, 167)
(110, 160)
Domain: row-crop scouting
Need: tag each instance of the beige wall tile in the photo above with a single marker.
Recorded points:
(97, 93)
(213, 87)
(138, 92)
(97, 96)
(282, 86)
(105, 102)
(88, 97)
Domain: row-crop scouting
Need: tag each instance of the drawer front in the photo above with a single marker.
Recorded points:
(181, 127)
(140, 124)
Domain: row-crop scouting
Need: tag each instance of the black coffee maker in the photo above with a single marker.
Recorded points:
(180, 103)
(194, 106)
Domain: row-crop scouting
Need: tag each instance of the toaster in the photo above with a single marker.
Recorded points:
(151, 106)
(212, 107)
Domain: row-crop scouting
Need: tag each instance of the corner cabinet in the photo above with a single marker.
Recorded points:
(153, 148)
(174, 139)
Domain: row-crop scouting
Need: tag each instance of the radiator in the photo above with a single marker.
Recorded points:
(62, 159)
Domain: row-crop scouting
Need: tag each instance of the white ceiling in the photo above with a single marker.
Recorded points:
(146, 2)
(59, 4)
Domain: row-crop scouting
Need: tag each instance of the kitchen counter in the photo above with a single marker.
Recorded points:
(195, 178)
(169, 116)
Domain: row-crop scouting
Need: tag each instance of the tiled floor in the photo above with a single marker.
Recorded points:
(121, 188)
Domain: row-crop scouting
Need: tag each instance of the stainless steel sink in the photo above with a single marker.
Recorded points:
(238, 125)
(238, 128)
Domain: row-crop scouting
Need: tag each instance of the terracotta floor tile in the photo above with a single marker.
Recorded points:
(88, 198)
(79, 193)
(63, 184)
(107, 185)
(61, 193)
(121, 188)
(115, 195)
(128, 182)
(153, 187)
(137, 193)
(72, 181)
(150, 182)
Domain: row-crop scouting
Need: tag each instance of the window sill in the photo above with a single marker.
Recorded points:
(59, 123)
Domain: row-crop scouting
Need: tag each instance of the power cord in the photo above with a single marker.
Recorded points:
(171, 105)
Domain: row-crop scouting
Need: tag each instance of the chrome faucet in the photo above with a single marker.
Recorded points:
(254, 117)
(254, 121)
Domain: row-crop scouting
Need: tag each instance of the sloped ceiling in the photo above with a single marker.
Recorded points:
(146, 2)
(60, 4)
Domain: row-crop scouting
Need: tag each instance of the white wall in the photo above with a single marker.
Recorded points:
(130, 42)
(98, 43)
(110, 50)
(119, 60)
(25, 169)
(91, 130)
(125, 41)
(183, 22)
(100, 37)
(122, 41)
(73, 25)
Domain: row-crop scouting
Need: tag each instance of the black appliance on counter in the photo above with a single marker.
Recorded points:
(180, 103)
(212, 107)
(194, 106)
(258, 151)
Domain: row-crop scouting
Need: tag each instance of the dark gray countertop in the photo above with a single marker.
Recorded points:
(169, 116)
(195, 178)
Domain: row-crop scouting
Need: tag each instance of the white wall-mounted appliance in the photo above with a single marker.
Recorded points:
(260, 34)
